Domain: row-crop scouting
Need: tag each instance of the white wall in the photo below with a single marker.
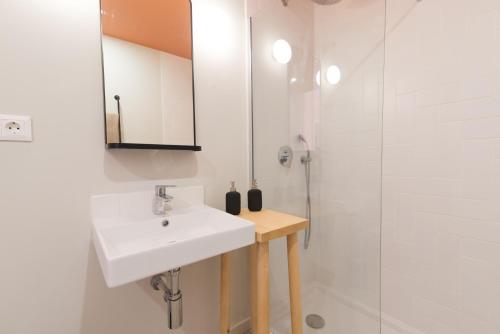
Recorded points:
(177, 99)
(50, 67)
(441, 224)
(156, 93)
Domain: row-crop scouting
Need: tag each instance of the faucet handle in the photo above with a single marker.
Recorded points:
(161, 191)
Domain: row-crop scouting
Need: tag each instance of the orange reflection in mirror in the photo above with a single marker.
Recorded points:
(164, 25)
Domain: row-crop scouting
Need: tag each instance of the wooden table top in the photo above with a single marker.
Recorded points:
(271, 224)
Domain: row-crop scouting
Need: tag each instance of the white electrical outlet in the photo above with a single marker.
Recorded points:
(15, 128)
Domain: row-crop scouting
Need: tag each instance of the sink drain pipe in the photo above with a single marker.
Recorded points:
(172, 294)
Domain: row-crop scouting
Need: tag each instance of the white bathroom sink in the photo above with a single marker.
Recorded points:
(133, 244)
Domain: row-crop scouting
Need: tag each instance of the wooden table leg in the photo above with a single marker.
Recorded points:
(225, 294)
(262, 288)
(253, 285)
(294, 283)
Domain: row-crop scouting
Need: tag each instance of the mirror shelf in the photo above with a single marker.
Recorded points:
(194, 148)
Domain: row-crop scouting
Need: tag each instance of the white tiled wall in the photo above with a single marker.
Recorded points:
(350, 35)
(343, 123)
(441, 166)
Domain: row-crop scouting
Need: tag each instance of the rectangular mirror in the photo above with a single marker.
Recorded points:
(148, 74)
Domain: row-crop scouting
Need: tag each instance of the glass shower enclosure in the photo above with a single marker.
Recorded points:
(317, 96)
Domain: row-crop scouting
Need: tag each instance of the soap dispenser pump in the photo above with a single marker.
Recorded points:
(233, 200)
(254, 198)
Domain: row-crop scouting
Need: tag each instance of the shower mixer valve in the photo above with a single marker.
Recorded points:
(285, 156)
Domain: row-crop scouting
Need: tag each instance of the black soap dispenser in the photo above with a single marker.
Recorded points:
(254, 198)
(233, 200)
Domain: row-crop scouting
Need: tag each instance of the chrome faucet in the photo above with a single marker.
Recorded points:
(161, 201)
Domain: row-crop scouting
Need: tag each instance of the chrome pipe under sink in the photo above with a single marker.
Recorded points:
(172, 295)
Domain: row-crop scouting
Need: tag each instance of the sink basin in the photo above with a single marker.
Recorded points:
(133, 244)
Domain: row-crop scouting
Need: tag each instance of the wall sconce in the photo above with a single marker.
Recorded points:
(333, 75)
(282, 51)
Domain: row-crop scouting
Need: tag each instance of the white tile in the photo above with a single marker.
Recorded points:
(483, 128)
(441, 165)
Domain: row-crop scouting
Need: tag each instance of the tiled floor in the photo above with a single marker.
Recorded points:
(340, 317)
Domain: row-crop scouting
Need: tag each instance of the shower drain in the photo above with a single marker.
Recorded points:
(315, 321)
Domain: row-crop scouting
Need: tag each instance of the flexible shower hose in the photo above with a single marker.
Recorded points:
(307, 164)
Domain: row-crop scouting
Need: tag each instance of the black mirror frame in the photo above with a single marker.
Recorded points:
(194, 147)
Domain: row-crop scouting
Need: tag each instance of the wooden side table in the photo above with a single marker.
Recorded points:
(269, 225)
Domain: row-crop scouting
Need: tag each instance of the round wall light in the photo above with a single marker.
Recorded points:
(282, 51)
(333, 75)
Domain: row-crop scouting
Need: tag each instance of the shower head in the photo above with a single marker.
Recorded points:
(303, 140)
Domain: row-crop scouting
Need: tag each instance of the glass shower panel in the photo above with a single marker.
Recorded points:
(326, 100)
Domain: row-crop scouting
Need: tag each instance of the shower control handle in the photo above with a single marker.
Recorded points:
(285, 156)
